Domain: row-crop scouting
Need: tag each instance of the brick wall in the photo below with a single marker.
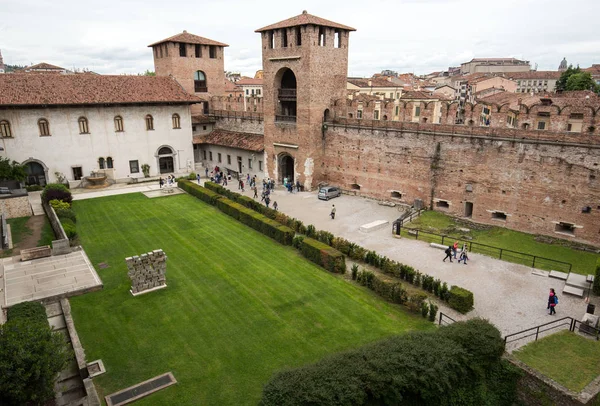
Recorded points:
(535, 183)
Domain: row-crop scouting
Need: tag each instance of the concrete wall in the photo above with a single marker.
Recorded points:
(535, 183)
(67, 148)
(15, 206)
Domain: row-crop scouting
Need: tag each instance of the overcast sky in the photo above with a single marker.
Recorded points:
(420, 36)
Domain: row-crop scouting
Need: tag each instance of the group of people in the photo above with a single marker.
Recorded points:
(168, 181)
(290, 186)
(452, 250)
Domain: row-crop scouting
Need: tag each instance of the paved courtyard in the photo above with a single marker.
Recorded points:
(507, 294)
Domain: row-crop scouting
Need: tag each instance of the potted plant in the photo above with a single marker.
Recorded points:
(146, 170)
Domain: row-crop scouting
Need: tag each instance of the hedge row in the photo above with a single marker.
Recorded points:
(60, 198)
(32, 312)
(459, 364)
(356, 252)
(322, 254)
(597, 278)
(257, 221)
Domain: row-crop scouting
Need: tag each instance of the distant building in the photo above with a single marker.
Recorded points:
(563, 65)
(494, 65)
(251, 86)
(535, 81)
(2, 68)
(44, 67)
(594, 70)
(377, 86)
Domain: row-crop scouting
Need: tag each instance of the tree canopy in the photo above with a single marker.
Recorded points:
(575, 79)
(11, 170)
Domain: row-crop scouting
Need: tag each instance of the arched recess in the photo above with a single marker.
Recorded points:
(37, 172)
(165, 159)
(286, 87)
(285, 165)
(200, 85)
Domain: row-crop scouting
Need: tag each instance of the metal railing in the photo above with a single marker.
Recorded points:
(533, 333)
(287, 94)
(445, 319)
(398, 224)
(285, 119)
(504, 254)
(247, 115)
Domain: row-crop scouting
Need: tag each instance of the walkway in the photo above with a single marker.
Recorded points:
(507, 294)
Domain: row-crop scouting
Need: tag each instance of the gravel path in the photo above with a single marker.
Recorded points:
(507, 294)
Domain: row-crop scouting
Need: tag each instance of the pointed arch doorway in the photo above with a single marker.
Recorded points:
(286, 167)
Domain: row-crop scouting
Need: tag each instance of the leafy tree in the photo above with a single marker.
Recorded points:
(31, 355)
(149, 73)
(561, 83)
(11, 170)
(581, 81)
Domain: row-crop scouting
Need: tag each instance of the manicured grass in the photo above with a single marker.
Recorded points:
(568, 358)
(47, 234)
(19, 229)
(238, 306)
(439, 223)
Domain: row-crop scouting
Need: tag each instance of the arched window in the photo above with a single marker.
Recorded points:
(83, 126)
(101, 163)
(176, 121)
(200, 82)
(165, 151)
(109, 163)
(44, 127)
(149, 122)
(5, 129)
(119, 124)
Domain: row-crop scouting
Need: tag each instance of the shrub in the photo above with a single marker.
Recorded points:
(433, 309)
(199, 192)
(357, 253)
(192, 176)
(321, 254)
(34, 188)
(437, 284)
(365, 278)
(417, 279)
(297, 241)
(32, 355)
(460, 299)
(56, 191)
(69, 227)
(325, 237)
(597, 278)
(415, 300)
(66, 214)
(59, 204)
(424, 309)
(33, 312)
(310, 231)
(444, 293)
(354, 272)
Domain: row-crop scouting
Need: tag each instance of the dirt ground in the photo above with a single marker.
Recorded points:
(35, 224)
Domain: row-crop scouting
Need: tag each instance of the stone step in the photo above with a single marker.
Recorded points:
(539, 272)
(559, 275)
(571, 290)
(55, 273)
(374, 225)
(577, 281)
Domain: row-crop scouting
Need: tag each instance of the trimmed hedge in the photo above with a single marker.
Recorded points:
(460, 299)
(56, 191)
(322, 254)
(198, 191)
(32, 312)
(597, 278)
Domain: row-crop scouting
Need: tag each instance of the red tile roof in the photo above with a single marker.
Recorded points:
(20, 89)
(233, 139)
(305, 19)
(496, 60)
(41, 66)
(249, 82)
(375, 82)
(188, 38)
(424, 95)
(540, 74)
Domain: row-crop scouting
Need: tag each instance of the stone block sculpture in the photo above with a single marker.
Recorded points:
(147, 272)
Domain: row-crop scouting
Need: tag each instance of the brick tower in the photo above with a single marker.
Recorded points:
(305, 67)
(195, 62)
(1, 63)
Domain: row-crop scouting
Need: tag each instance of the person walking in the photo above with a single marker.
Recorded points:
(206, 172)
(255, 192)
(242, 185)
(267, 201)
(455, 248)
(552, 301)
(332, 214)
(275, 206)
(161, 182)
(448, 254)
(463, 256)
(198, 178)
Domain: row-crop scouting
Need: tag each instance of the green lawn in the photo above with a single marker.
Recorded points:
(47, 234)
(439, 223)
(568, 358)
(238, 306)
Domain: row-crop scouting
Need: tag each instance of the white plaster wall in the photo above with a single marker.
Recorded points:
(234, 152)
(66, 147)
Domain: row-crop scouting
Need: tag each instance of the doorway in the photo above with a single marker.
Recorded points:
(166, 164)
(36, 175)
(468, 209)
(239, 162)
(286, 168)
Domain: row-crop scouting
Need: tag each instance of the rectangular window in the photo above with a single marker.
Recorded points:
(258, 92)
(442, 204)
(337, 39)
(321, 36)
(160, 50)
(284, 39)
(198, 51)
(417, 111)
(298, 36)
(228, 159)
(204, 153)
(77, 173)
(204, 127)
(212, 51)
(249, 163)
(247, 92)
(565, 228)
(541, 125)
(271, 36)
(260, 166)
(498, 215)
(359, 114)
(376, 115)
(182, 49)
(569, 127)
(219, 157)
(210, 155)
(167, 49)
(134, 167)
(397, 110)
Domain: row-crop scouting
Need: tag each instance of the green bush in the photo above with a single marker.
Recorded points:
(389, 290)
(415, 300)
(460, 299)
(33, 312)
(319, 253)
(31, 356)
(59, 204)
(34, 188)
(192, 176)
(433, 309)
(66, 214)
(69, 227)
(597, 278)
(198, 191)
(310, 231)
(424, 309)
(365, 278)
(56, 191)
(354, 271)
(297, 241)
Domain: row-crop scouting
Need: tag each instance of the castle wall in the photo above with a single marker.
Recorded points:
(534, 183)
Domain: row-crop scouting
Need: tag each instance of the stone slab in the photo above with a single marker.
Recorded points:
(57, 322)
(578, 281)
(559, 275)
(374, 226)
(147, 290)
(571, 290)
(438, 246)
(539, 272)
